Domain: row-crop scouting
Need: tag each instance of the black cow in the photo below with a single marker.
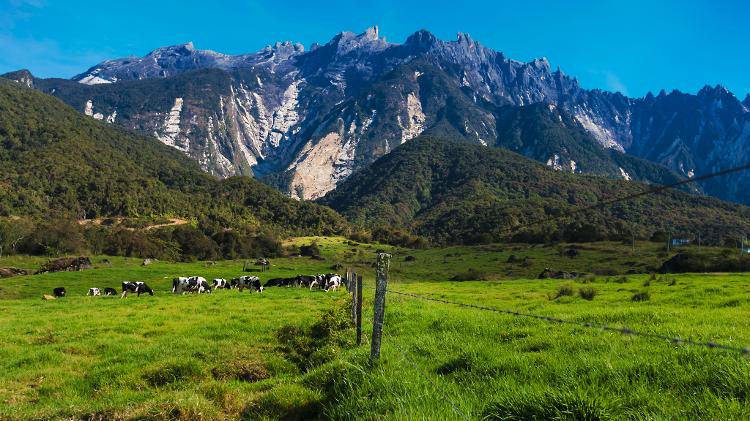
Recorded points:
(137, 287)
(281, 282)
(110, 291)
(58, 292)
(249, 282)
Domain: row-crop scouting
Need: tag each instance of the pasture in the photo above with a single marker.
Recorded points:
(288, 353)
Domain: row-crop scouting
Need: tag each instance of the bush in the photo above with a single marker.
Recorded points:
(470, 275)
(243, 369)
(310, 250)
(564, 291)
(172, 372)
(641, 296)
(587, 293)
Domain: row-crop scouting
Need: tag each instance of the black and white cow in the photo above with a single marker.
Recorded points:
(327, 282)
(333, 282)
(94, 292)
(197, 284)
(110, 291)
(58, 292)
(221, 284)
(306, 280)
(317, 280)
(249, 282)
(136, 287)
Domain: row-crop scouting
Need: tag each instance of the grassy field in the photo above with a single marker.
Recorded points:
(288, 353)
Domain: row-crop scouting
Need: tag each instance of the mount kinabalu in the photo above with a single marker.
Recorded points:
(304, 120)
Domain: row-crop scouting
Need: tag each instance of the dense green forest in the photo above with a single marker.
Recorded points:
(455, 192)
(60, 165)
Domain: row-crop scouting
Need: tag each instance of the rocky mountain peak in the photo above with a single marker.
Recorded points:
(185, 49)
(421, 40)
(746, 101)
(370, 40)
(23, 76)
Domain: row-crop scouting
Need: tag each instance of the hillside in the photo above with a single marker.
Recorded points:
(456, 192)
(57, 161)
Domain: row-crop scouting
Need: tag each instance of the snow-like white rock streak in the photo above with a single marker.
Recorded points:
(321, 166)
(415, 121)
(93, 80)
(286, 115)
(554, 162)
(171, 129)
(89, 109)
(598, 129)
(625, 175)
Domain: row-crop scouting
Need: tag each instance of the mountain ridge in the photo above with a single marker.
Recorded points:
(281, 112)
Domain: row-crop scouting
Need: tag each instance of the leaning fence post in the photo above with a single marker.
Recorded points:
(381, 283)
(353, 283)
(359, 309)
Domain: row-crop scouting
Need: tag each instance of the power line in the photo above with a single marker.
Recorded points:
(602, 203)
(622, 330)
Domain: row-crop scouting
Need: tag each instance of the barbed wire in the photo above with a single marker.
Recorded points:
(622, 330)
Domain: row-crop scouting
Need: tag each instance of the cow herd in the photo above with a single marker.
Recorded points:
(198, 284)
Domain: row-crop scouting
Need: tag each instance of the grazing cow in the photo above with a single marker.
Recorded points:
(94, 292)
(317, 280)
(282, 282)
(333, 282)
(330, 281)
(249, 282)
(109, 291)
(58, 292)
(197, 284)
(136, 287)
(221, 284)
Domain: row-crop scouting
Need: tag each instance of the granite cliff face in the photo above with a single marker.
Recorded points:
(305, 120)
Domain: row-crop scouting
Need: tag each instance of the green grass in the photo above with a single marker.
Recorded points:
(288, 353)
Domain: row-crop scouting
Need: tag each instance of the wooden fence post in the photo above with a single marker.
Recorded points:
(353, 283)
(381, 274)
(359, 309)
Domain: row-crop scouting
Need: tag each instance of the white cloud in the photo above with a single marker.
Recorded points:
(615, 84)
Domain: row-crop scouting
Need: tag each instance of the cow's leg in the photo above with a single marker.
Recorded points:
(124, 294)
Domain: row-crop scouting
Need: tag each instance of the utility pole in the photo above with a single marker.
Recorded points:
(699, 242)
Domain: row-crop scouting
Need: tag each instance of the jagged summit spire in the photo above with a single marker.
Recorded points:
(421, 40)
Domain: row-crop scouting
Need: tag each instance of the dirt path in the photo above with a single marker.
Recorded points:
(119, 220)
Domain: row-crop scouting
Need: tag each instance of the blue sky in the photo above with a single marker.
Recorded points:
(630, 46)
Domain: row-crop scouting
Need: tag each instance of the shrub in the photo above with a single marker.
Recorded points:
(587, 293)
(641, 296)
(564, 291)
(672, 282)
(470, 275)
(243, 369)
(310, 250)
(647, 282)
(172, 372)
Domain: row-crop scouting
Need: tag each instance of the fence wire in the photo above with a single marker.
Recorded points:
(622, 330)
